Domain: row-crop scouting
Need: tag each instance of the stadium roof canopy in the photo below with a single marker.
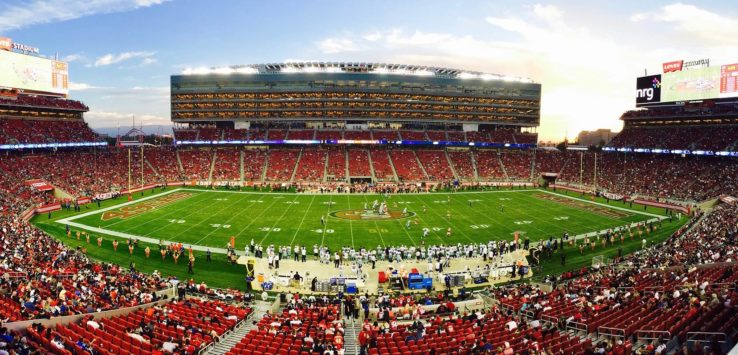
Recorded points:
(352, 67)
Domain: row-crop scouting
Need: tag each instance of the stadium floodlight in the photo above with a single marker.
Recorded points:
(222, 70)
(423, 73)
(466, 75)
(247, 70)
(289, 69)
(196, 71)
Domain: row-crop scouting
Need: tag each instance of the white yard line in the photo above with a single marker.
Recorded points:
(303, 220)
(605, 205)
(366, 194)
(325, 225)
(72, 218)
(277, 221)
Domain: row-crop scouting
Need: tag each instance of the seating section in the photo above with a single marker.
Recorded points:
(190, 324)
(382, 165)
(488, 165)
(281, 164)
(227, 164)
(165, 161)
(43, 102)
(276, 135)
(456, 136)
(413, 135)
(406, 165)
(437, 135)
(717, 138)
(337, 164)
(196, 163)
(22, 131)
(301, 134)
(254, 161)
(518, 164)
(359, 163)
(357, 135)
(502, 136)
(311, 165)
(497, 136)
(435, 164)
(452, 335)
(286, 333)
(186, 134)
(462, 162)
(326, 135)
(209, 134)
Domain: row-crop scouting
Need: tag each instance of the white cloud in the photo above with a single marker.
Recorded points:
(336, 45)
(373, 36)
(691, 21)
(587, 69)
(110, 58)
(96, 118)
(34, 12)
(72, 58)
(74, 86)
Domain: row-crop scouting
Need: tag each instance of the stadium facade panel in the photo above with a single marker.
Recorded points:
(353, 92)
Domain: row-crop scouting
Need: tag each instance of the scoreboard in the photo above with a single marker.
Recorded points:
(728, 80)
(32, 73)
(677, 84)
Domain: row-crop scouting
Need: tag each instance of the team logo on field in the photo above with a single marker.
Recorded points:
(371, 215)
(146, 206)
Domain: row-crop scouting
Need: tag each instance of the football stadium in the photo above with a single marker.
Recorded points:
(329, 207)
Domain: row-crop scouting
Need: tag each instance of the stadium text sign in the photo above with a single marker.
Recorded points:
(679, 65)
(648, 89)
(673, 66)
(134, 210)
(7, 44)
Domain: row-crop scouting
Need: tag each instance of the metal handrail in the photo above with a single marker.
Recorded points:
(652, 332)
(613, 332)
(691, 336)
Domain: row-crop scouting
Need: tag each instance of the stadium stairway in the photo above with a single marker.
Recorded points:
(240, 160)
(228, 341)
(474, 165)
(297, 165)
(351, 337)
(348, 173)
(451, 165)
(499, 161)
(392, 165)
(212, 165)
(371, 165)
(420, 164)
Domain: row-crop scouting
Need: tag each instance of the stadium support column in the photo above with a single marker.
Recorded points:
(129, 170)
(142, 165)
(581, 169)
(595, 174)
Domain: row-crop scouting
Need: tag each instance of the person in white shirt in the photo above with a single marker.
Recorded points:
(169, 346)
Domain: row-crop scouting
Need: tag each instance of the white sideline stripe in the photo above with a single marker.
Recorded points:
(72, 218)
(606, 205)
(362, 193)
(143, 239)
(69, 220)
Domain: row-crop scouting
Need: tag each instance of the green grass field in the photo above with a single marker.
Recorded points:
(209, 218)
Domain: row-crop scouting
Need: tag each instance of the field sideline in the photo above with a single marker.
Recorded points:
(208, 218)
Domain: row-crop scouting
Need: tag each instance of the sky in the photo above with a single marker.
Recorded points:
(586, 54)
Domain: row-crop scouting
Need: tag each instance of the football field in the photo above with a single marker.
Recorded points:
(209, 218)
